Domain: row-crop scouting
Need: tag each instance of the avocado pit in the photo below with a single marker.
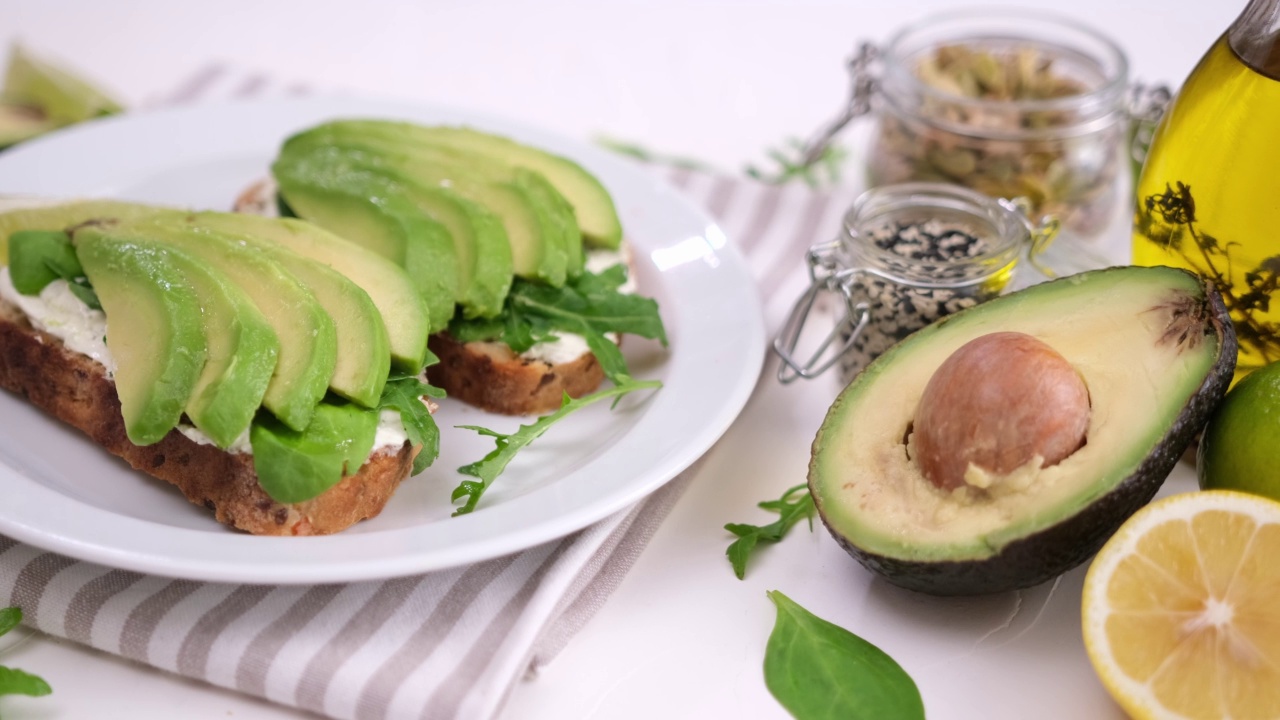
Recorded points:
(1000, 402)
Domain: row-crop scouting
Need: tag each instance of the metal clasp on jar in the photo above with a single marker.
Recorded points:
(829, 274)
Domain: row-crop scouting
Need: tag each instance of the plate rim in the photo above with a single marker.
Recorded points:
(750, 328)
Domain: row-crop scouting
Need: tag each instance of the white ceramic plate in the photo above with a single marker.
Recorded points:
(59, 491)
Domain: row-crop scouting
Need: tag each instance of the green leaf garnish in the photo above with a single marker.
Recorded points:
(588, 305)
(818, 671)
(404, 394)
(791, 510)
(38, 257)
(488, 469)
(12, 680)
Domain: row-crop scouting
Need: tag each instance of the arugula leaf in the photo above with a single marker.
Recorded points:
(12, 680)
(791, 511)
(404, 393)
(818, 670)
(588, 305)
(489, 468)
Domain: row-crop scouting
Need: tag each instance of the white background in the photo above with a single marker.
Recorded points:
(718, 81)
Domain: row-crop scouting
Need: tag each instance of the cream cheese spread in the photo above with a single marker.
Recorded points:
(567, 347)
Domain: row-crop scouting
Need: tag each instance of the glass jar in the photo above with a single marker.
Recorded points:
(1011, 103)
(1008, 103)
(906, 256)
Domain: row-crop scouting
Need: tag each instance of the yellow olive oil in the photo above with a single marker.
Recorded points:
(1209, 196)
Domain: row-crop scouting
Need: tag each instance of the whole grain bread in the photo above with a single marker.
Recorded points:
(75, 389)
(492, 377)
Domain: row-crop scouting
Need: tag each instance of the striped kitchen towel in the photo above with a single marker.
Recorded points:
(447, 644)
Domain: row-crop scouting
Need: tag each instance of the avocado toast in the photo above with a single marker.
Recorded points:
(536, 292)
(237, 363)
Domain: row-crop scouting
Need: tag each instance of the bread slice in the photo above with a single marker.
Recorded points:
(75, 389)
(492, 377)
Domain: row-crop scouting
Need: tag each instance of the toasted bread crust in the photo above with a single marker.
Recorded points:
(75, 389)
(492, 377)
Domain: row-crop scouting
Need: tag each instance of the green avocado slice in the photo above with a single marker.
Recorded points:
(63, 216)
(61, 96)
(403, 311)
(155, 333)
(308, 345)
(372, 211)
(591, 202)
(295, 466)
(242, 348)
(480, 241)
(1155, 349)
(540, 227)
(21, 122)
(363, 357)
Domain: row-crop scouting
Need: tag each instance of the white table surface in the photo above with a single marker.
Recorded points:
(681, 638)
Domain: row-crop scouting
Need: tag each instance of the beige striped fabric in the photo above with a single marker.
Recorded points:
(448, 644)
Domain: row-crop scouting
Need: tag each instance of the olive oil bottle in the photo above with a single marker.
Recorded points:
(1209, 195)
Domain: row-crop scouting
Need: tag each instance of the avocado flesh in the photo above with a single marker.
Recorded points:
(1149, 394)
(402, 309)
(21, 122)
(538, 229)
(242, 349)
(64, 216)
(480, 241)
(308, 346)
(295, 466)
(155, 332)
(597, 217)
(373, 212)
(363, 357)
(61, 96)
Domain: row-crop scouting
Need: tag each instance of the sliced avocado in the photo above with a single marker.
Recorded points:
(63, 216)
(155, 331)
(403, 311)
(372, 211)
(1155, 348)
(540, 228)
(295, 466)
(480, 241)
(363, 353)
(62, 97)
(242, 349)
(308, 345)
(21, 122)
(591, 203)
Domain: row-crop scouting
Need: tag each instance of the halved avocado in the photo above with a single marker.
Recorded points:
(1156, 350)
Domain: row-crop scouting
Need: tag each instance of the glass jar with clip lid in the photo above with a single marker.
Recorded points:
(907, 255)
(1008, 102)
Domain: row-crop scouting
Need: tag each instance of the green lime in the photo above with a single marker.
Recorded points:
(1240, 448)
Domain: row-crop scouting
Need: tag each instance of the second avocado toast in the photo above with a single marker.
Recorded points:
(274, 370)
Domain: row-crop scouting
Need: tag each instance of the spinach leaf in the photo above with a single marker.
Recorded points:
(818, 670)
(492, 465)
(404, 393)
(16, 682)
(791, 511)
(38, 257)
(12, 680)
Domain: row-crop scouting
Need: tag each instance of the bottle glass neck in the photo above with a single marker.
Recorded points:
(1255, 36)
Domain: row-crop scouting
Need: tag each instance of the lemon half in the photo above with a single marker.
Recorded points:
(1181, 609)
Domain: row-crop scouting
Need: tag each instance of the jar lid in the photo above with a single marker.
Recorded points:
(932, 234)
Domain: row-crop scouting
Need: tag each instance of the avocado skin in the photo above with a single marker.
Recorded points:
(1050, 552)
